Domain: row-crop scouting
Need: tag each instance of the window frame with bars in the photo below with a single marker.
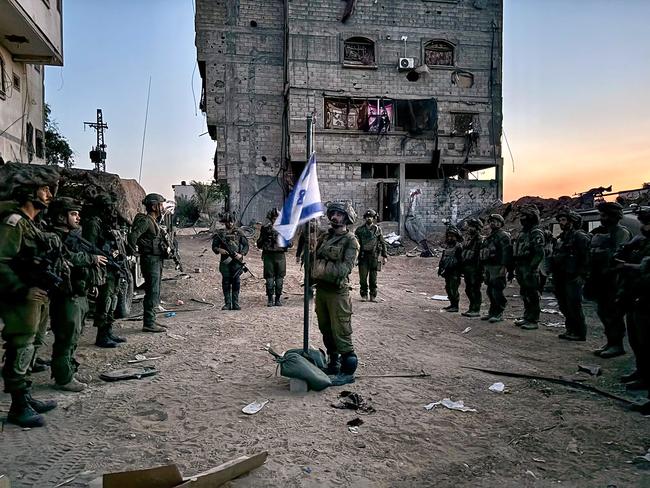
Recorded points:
(437, 45)
(359, 63)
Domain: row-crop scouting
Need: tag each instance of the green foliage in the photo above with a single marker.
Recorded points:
(57, 149)
(207, 194)
(187, 212)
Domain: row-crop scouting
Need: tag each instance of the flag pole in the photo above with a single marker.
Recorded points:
(307, 248)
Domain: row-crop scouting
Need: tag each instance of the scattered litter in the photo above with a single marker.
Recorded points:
(530, 473)
(423, 293)
(63, 483)
(645, 458)
(551, 311)
(139, 358)
(558, 325)
(355, 422)
(128, 373)
(354, 430)
(451, 405)
(253, 408)
(180, 302)
(539, 460)
(548, 297)
(354, 401)
(440, 298)
(170, 314)
(497, 387)
(306, 469)
(466, 330)
(411, 337)
(392, 238)
(552, 304)
(593, 370)
(573, 447)
(198, 270)
(175, 336)
(161, 308)
(409, 291)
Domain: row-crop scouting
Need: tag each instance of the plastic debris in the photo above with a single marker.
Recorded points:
(440, 298)
(559, 325)
(645, 458)
(593, 370)
(354, 430)
(139, 358)
(180, 302)
(551, 311)
(170, 314)
(466, 330)
(451, 405)
(497, 387)
(572, 447)
(253, 408)
(392, 238)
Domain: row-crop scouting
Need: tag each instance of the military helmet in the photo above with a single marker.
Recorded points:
(152, 198)
(343, 207)
(106, 200)
(20, 181)
(453, 230)
(473, 222)
(614, 209)
(63, 205)
(643, 214)
(226, 217)
(497, 218)
(272, 214)
(370, 213)
(572, 215)
(529, 210)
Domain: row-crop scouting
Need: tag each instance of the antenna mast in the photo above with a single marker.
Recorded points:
(98, 153)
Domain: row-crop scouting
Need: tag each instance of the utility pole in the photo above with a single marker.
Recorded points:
(98, 153)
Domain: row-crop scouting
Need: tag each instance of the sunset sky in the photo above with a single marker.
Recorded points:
(575, 87)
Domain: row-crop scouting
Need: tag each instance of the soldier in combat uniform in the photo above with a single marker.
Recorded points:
(68, 307)
(274, 258)
(528, 255)
(603, 280)
(335, 255)
(569, 267)
(372, 254)
(450, 266)
(471, 267)
(496, 254)
(232, 246)
(24, 301)
(97, 229)
(145, 235)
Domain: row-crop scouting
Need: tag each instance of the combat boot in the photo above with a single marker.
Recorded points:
(520, 321)
(40, 406)
(278, 301)
(598, 351)
(21, 413)
(373, 298)
(73, 385)
(103, 339)
(349, 363)
(471, 313)
(334, 364)
(487, 316)
(153, 328)
(235, 302)
(612, 352)
(269, 302)
(40, 365)
(227, 301)
(364, 298)
(278, 292)
(530, 325)
(495, 318)
(113, 337)
(451, 308)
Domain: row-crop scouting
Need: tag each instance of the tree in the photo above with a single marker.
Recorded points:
(57, 149)
(207, 194)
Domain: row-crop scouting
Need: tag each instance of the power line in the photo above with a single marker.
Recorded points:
(144, 132)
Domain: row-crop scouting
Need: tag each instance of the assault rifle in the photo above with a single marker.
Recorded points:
(77, 243)
(232, 255)
(46, 271)
(169, 250)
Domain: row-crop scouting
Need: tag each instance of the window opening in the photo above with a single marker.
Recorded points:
(359, 51)
(438, 53)
(40, 144)
(16, 82)
(369, 115)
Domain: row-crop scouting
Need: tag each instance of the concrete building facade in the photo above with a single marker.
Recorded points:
(406, 96)
(31, 37)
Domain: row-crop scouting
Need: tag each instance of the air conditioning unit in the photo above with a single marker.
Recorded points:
(406, 63)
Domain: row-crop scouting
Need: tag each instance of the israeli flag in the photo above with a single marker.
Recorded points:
(302, 205)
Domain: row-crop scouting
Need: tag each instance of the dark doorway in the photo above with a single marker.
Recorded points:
(388, 201)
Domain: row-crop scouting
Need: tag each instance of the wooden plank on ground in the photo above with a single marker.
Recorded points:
(160, 477)
(228, 471)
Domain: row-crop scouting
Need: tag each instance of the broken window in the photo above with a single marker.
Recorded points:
(462, 79)
(40, 144)
(438, 53)
(16, 82)
(421, 171)
(359, 51)
(379, 170)
(464, 123)
(416, 116)
(368, 115)
(29, 141)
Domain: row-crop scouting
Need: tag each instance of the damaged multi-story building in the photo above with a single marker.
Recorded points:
(31, 37)
(405, 95)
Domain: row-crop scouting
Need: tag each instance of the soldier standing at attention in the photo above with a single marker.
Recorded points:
(471, 267)
(569, 267)
(274, 258)
(450, 266)
(528, 255)
(23, 300)
(232, 246)
(69, 307)
(603, 280)
(633, 263)
(372, 254)
(496, 255)
(97, 229)
(335, 255)
(145, 235)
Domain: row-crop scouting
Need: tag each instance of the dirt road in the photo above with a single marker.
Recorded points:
(535, 434)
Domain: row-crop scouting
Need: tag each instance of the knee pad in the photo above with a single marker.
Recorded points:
(22, 359)
(349, 363)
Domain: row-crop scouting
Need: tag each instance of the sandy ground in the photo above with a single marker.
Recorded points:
(535, 434)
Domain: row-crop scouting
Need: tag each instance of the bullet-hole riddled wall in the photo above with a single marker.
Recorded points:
(406, 96)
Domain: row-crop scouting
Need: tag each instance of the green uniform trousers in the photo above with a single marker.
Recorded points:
(23, 321)
(610, 313)
(528, 279)
(639, 337)
(334, 313)
(151, 267)
(106, 301)
(473, 281)
(452, 284)
(568, 293)
(495, 280)
(368, 275)
(67, 316)
(275, 269)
